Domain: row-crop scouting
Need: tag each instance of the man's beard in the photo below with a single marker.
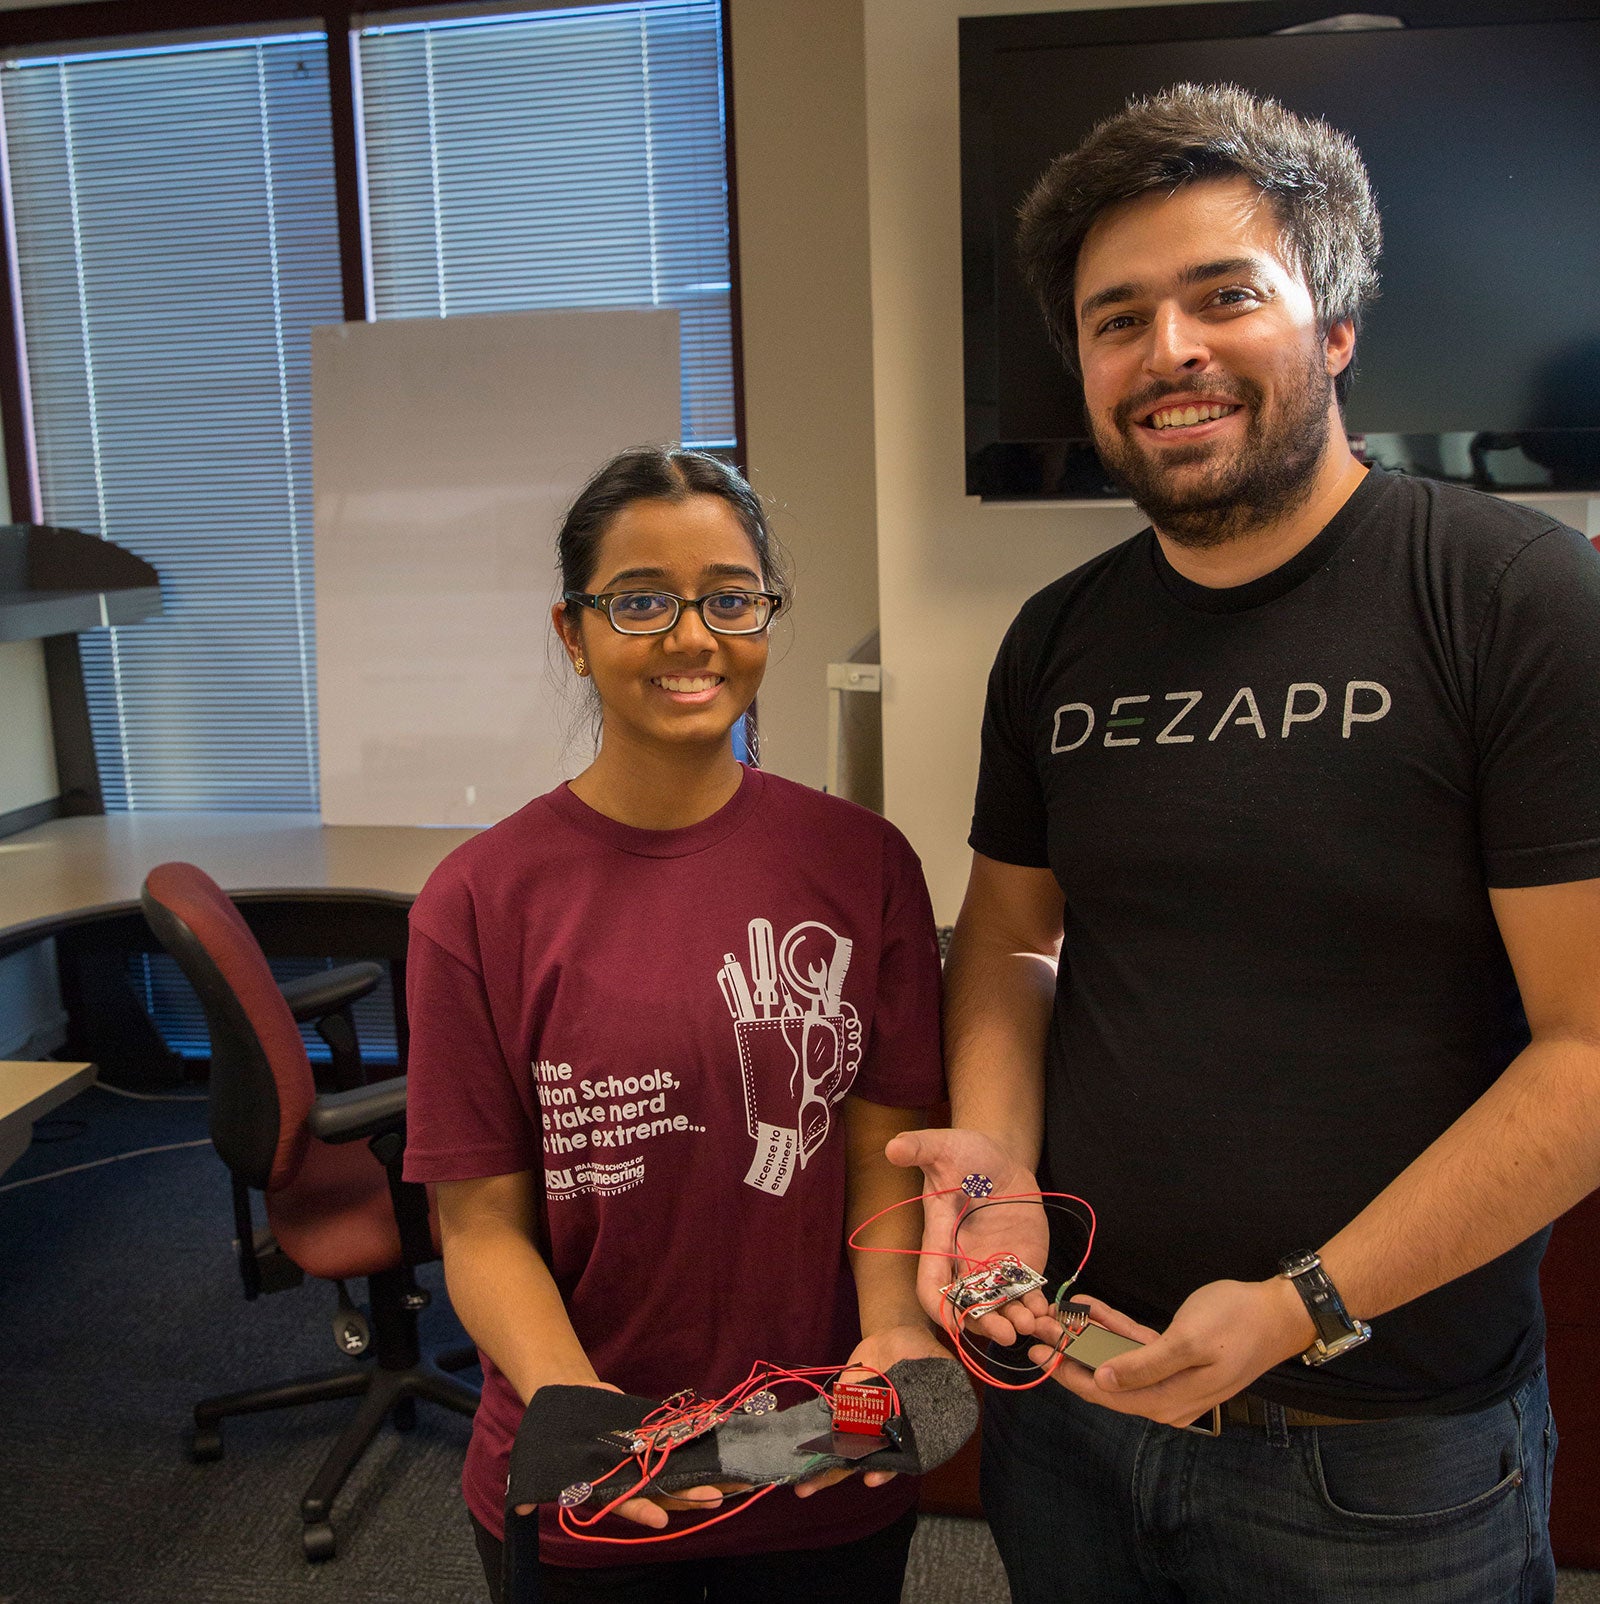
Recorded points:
(1268, 476)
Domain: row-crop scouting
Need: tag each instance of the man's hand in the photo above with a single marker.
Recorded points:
(1224, 1336)
(872, 1357)
(946, 1157)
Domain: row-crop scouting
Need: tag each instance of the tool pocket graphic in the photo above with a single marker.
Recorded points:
(799, 1044)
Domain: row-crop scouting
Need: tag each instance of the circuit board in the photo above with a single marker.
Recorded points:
(1007, 1278)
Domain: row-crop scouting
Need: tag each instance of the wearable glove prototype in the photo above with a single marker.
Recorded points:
(560, 1442)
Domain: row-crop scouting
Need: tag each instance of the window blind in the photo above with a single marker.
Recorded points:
(170, 1001)
(175, 237)
(563, 158)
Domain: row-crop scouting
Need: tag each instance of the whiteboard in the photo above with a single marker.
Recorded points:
(444, 451)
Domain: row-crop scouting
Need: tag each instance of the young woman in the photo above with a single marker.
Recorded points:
(687, 1003)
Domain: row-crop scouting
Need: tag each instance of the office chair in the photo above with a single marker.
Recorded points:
(328, 1166)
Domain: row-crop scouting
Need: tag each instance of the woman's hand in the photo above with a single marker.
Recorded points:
(652, 1509)
(873, 1355)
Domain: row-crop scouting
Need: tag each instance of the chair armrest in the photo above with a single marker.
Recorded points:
(329, 990)
(378, 1114)
(362, 1112)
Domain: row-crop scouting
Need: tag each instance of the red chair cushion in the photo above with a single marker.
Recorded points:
(334, 1220)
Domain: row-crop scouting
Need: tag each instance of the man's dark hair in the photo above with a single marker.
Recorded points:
(1312, 174)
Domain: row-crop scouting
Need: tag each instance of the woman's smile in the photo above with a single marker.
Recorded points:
(689, 688)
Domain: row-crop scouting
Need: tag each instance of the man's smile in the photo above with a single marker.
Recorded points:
(1185, 415)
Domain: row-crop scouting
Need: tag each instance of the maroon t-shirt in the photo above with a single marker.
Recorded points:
(689, 1007)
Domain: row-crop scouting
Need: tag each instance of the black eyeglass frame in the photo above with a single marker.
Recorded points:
(601, 602)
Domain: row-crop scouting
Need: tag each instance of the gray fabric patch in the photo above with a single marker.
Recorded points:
(557, 1443)
(937, 1409)
(761, 1448)
(940, 1409)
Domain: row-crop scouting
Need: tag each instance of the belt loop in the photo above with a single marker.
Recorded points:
(1277, 1426)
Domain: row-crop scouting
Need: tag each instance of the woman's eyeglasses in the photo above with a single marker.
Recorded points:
(654, 612)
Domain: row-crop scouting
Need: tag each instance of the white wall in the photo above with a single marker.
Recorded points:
(799, 109)
(30, 1002)
(27, 755)
(27, 758)
(951, 571)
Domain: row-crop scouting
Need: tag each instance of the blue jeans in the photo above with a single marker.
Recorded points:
(1434, 1509)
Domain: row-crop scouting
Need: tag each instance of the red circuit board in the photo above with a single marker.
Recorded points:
(859, 1407)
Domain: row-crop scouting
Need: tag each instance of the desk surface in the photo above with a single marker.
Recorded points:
(80, 866)
(28, 1091)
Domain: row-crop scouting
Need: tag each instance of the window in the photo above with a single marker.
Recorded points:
(176, 237)
(569, 158)
(175, 240)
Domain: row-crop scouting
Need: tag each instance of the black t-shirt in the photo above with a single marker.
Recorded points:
(1275, 811)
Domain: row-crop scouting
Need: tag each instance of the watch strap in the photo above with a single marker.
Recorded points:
(1337, 1331)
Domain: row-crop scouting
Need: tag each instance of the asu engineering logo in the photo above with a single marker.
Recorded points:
(1165, 719)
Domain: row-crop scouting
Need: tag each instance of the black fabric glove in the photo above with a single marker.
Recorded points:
(558, 1443)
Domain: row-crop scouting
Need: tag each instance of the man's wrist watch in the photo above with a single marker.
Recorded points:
(1337, 1332)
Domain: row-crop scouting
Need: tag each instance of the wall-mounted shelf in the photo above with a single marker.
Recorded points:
(60, 581)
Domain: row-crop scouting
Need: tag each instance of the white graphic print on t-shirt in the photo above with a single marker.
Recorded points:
(799, 1042)
(799, 1048)
(596, 1128)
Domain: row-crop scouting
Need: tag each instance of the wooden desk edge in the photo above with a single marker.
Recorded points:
(52, 1086)
(66, 1081)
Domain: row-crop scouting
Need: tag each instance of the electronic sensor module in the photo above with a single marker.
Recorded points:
(860, 1407)
(998, 1282)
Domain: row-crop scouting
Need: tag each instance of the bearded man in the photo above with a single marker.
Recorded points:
(1282, 939)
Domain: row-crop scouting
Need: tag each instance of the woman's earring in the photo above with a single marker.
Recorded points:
(581, 666)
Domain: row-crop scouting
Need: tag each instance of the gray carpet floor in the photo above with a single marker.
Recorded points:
(120, 1306)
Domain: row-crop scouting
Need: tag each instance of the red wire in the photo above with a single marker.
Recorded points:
(706, 1414)
(1007, 1197)
(744, 1503)
(955, 1328)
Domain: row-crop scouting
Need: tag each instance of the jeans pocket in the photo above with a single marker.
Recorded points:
(1420, 1471)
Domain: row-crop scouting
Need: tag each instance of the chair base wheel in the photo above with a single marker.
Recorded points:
(205, 1445)
(318, 1541)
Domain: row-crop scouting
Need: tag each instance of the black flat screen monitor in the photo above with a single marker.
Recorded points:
(1480, 126)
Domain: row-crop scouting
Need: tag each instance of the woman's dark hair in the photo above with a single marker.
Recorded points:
(1310, 172)
(661, 473)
